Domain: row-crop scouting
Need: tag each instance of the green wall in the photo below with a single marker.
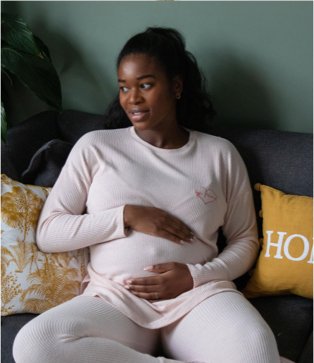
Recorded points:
(256, 55)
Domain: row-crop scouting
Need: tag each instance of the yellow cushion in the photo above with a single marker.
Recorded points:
(286, 260)
(32, 281)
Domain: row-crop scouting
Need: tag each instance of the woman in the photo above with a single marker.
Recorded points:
(149, 200)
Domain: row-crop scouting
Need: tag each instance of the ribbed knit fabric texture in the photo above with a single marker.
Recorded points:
(204, 183)
(224, 328)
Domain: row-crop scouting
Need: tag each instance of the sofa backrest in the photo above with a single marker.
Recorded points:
(280, 159)
(36, 149)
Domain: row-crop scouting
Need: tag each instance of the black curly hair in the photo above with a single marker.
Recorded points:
(194, 109)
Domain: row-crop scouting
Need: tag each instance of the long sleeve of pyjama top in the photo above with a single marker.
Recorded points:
(204, 183)
(65, 224)
(239, 228)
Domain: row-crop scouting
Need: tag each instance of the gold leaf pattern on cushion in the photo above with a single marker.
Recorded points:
(21, 208)
(58, 287)
(20, 255)
(33, 281)
(10, 289)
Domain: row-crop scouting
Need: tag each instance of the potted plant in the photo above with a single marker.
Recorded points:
(26, 57)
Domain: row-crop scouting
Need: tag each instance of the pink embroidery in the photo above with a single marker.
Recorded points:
(206, 195)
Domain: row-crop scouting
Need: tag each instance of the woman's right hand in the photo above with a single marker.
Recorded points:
(156, 222)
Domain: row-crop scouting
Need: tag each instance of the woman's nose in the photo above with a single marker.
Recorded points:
(135, 96)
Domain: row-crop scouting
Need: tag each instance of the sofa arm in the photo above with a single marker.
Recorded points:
(25, 138)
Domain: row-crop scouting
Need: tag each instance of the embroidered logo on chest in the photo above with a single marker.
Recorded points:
(205, 195)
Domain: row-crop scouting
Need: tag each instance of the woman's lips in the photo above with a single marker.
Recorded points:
(138, 116)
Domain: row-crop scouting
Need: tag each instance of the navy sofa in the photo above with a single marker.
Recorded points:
(37, 148)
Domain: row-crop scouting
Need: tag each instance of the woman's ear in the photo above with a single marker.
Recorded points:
(177, 86)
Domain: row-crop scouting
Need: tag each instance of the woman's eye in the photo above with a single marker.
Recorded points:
(123, 89)
(146, 85)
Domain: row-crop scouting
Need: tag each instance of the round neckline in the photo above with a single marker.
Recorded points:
(160, 149)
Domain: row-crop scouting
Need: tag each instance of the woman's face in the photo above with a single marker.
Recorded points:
(146, 94)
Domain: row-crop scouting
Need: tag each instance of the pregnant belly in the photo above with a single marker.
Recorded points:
(127, 257)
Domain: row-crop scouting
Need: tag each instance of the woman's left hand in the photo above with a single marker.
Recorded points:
(171, 280)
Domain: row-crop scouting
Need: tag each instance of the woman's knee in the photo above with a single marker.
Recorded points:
(33, 342)
(260, 337)
(44, 336)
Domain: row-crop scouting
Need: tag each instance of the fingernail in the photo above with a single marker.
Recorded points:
(148, 268)
(184, 242)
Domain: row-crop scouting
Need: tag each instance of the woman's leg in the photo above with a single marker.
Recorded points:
(85, 329)
(223, 328)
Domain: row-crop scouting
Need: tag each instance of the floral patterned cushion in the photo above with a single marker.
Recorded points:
(32, 281)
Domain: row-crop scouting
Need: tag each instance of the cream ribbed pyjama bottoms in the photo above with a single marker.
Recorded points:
(224, 328)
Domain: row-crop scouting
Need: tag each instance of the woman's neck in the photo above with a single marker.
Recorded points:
(171, 138)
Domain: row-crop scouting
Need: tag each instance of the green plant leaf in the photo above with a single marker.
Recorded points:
(38, 74)
(44, 51)
(4, 124)
(16, 34)
(5, 74)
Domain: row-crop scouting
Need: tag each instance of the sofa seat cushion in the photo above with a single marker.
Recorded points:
(307, 354)
(10, 326)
